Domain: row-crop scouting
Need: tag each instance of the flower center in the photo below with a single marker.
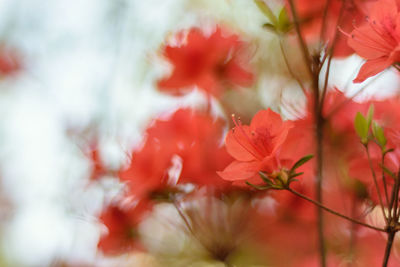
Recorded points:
(258, 143)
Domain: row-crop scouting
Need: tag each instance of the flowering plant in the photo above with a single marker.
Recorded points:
(314, 182)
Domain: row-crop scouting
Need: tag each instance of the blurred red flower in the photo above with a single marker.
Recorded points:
(211, 63)
(98, 168)
(312, 18)
(9, 61)
(186, 148)
(378, 40)
(256, 147)
(122, 222)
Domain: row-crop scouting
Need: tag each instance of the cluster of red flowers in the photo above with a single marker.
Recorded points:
(189, 145)
(211, 63)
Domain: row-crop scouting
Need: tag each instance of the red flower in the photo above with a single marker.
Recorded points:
(312, 16)
(9, 61)
(255, 147)
(98, 169)
(378, 40)
(122, 222)
(183, 149)
(209, 62)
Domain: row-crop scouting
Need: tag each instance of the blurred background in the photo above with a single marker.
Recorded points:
(82, 72)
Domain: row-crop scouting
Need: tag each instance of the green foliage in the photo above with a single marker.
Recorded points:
(379, 135)
(389, 172)
(362, 127)
(284, 25)
(282, 179)
(300, 162)
(278, 25)
(370, 114)
(266, 11)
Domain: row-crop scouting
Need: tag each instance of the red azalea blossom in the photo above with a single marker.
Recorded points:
(378, 40)
(186, 148)
(98, 168)
(121, 223)
(209, 62)
(256, 147)
(339, 134)
(312, 18)
(9, 61)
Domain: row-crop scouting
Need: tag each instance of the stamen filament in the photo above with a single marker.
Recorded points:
(239, 125)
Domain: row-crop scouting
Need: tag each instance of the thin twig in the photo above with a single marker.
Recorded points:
(331, 51)
(183, 217)
(384, 181)
(303, 46)
(376, 184)
(388, 248)
(289, 68)
(335, 212)
(324, 19)
(347, 100)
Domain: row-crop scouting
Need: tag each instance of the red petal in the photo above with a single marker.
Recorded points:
(238, 144)
(367, 43)
(371, 68)
(272, 121)
(238, 170)
(266, 119)
(383, 10)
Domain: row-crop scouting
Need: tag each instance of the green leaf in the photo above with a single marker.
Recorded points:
(370, 114)
(284, 24)
(267, 11)
(258, 187)
(295, 175)
(388, 151)
(270, 27)
(361, 126)
(388, 171)
(264, 177)
(360, 189)
(299, 163)
(379, 135)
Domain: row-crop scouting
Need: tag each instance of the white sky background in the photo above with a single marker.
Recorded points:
(86, 61)
(84, 64)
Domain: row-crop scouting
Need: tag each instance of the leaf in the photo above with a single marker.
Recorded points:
(300, 162)
(295, 175)
(270, 27)
(284, 24)
(360, 189)
(258, 187)
(388, 171)
(266, 11)
(388, 150)
(370, 114)
(264, 177)
(361, 126)
(379, 135)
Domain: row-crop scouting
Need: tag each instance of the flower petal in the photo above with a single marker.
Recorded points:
(238, 170)
(369, 44)
(268, 119)
(238, 144)
(371, 68)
